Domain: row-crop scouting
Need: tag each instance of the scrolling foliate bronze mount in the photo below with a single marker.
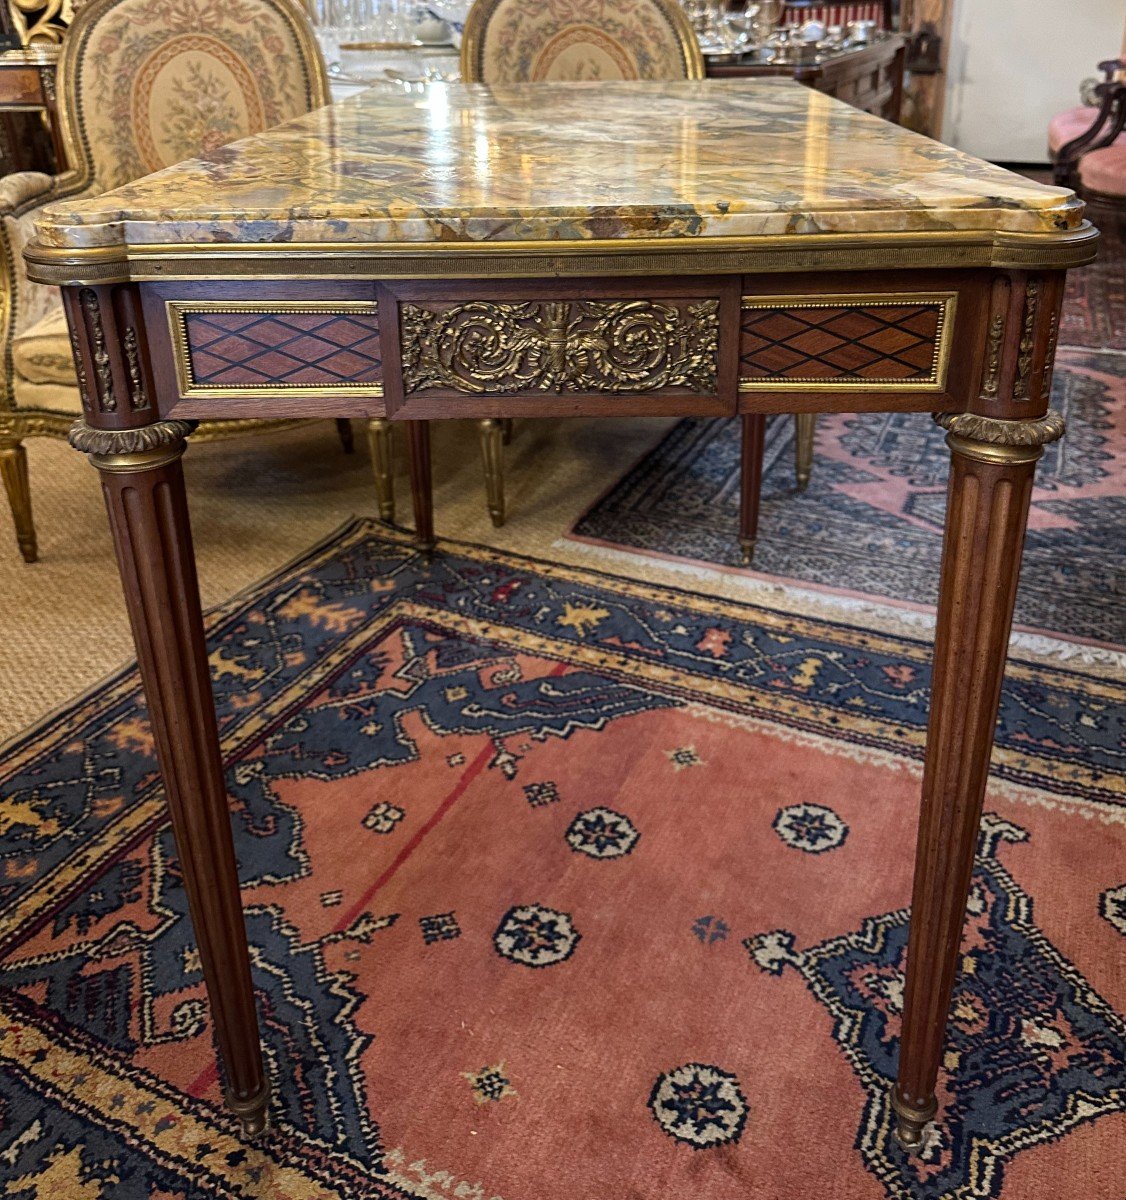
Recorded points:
(624, 346)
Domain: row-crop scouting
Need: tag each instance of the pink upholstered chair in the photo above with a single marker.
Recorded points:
(142, 84)
(1087, 144)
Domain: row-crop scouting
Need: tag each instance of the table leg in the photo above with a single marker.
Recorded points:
(992, 466)
(143, 486)
(750, 482)
(805, 427)
(422, 487)
(490, 434)
(383, 465)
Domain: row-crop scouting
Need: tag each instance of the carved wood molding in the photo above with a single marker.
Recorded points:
(617, 346)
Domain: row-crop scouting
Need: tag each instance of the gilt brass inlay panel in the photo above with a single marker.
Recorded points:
(276, 348)
(620, 346)
(878, 342)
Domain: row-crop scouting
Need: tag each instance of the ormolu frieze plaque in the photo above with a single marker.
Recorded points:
(578, 346)
(871, 341)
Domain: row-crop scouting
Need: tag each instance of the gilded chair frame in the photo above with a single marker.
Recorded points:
(483, 11)
(36, 190)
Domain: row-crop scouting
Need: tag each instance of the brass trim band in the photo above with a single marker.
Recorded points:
(776, 253)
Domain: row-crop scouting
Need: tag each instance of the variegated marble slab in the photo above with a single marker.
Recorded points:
(568, 162)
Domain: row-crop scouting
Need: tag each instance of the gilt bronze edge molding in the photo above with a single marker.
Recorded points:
(994, 440)
(125, 450)
(776, 253)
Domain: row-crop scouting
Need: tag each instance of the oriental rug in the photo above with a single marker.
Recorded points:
(559, 887)
(870, 522)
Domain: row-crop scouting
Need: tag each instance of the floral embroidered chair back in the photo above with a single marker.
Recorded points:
(148, 83)
(514, 41)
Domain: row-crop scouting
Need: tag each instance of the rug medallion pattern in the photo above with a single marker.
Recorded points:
(558, 887)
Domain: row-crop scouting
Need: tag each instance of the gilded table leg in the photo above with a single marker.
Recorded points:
(380, 439)
(143, 485)
(422, 488)
(491, 436)
(990, 484)
(750, 482)
(13, 470)
(805, 426)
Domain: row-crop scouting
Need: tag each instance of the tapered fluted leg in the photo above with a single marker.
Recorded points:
(987, 507)
(344, 433)
(422, 488)
(805, 426)
(143, 485)
(750, 482)
(383, 465)
(491, 436)
(13, 470)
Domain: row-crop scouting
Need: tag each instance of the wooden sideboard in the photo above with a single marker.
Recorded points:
(30, 139)
(868, 77)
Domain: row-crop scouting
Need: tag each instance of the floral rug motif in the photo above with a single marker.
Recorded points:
(870, 522)
(559, 887)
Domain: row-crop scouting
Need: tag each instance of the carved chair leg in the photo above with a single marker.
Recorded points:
(422, 487)
(750, 482)
(987, 508)
(805, 426)
(143, 485)
(17, 483)
(381, 440)
(344, 433)
(491, 436)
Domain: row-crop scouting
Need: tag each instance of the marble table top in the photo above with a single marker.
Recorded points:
(565, 163)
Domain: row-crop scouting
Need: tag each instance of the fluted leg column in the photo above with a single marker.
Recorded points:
(750, 482)
(990, 484)
(422, 487)
(490, 433)
(143, 485)
(805, 426)
(17, 483)
(383, 465)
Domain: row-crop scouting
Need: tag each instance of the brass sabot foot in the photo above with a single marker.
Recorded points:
(910, 1122)
(253, 1114)
(747, 549)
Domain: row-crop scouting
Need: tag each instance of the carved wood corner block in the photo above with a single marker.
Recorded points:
(578, 346)
(107, 341)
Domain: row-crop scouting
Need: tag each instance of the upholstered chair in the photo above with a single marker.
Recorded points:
(143, 84)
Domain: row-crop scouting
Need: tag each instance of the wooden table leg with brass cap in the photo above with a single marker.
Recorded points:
(993, 460)
(143, 486)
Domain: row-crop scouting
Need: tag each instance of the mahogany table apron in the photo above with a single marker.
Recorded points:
(962, 325)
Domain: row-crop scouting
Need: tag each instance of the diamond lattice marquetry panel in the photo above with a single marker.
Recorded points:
(294, 349)
(841, 342)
